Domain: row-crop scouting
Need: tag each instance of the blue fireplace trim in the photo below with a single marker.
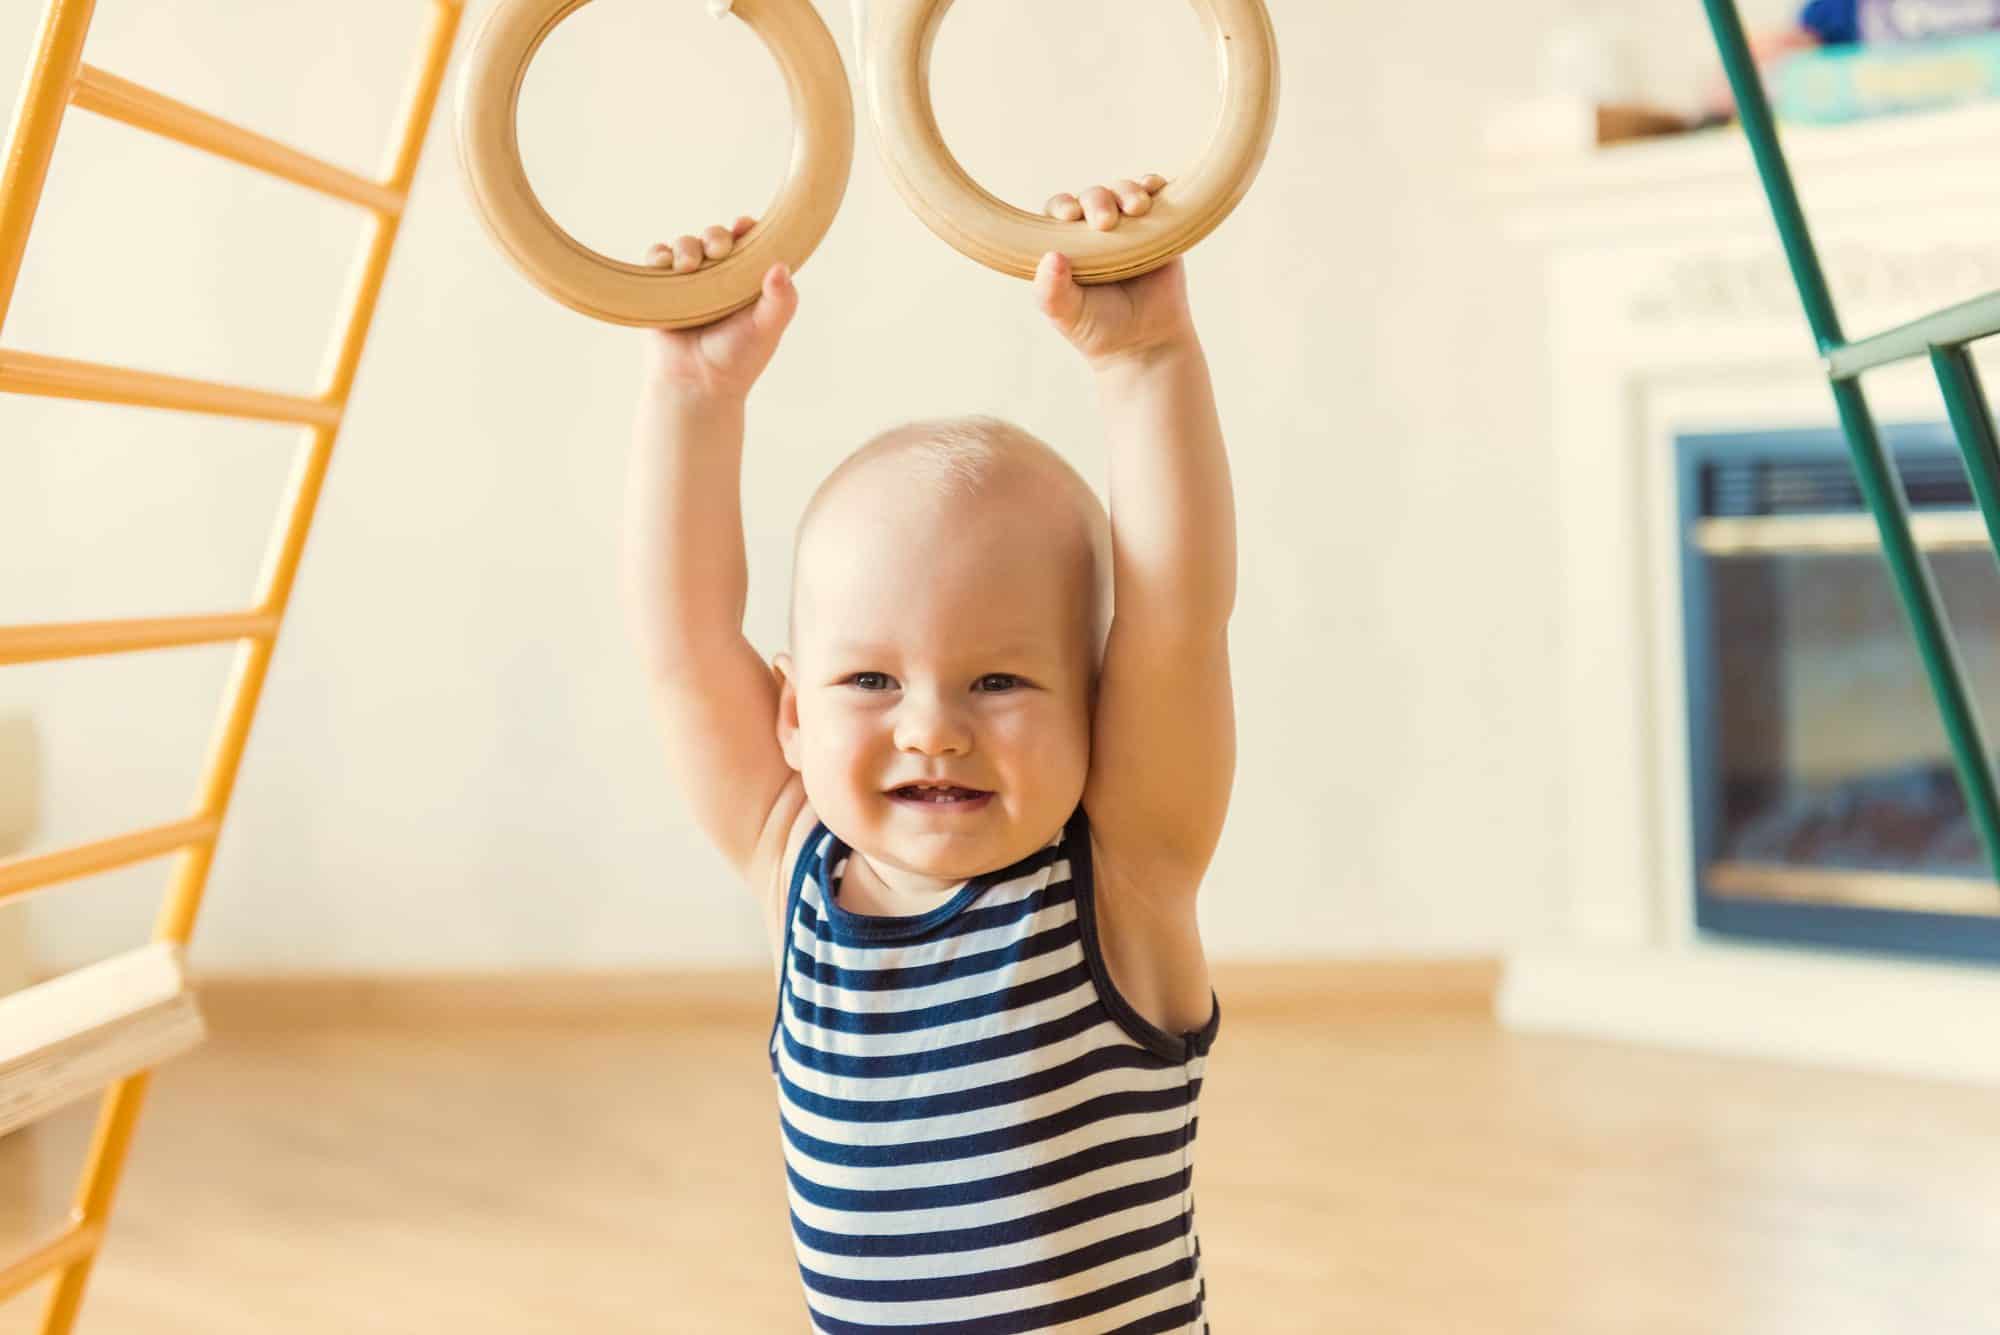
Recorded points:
(1873, 931)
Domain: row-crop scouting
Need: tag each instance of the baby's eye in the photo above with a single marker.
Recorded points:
(860, 678)
(1008, 678)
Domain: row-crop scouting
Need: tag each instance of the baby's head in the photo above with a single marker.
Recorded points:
(951, 593)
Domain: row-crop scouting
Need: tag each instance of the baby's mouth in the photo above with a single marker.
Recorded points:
(937, 796)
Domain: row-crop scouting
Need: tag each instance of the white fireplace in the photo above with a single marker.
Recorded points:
(1670, 311)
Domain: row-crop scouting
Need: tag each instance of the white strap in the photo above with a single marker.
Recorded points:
(859, 10)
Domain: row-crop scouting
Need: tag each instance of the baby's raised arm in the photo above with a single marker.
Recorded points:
(686, 578)
(1163, 734)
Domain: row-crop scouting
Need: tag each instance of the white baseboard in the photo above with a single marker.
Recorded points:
(1930, 1020)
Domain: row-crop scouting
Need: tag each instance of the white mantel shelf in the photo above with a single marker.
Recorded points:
(1650, 186)
(1670, 309)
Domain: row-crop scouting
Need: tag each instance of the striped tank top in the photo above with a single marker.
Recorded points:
(981, 1136)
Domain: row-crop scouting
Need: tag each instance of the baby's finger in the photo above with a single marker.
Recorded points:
(660, 253)
(717, 242)
(1064, 207)
(743, 224)
(1100, 208)
(1154, 183)
(1056, 291)
(1132, 197)
(687, 254)
(777, 301)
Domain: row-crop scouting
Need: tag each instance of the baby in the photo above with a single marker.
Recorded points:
(972, 807)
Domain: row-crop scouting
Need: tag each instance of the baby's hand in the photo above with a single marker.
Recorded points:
(1109, 322)
(722, 359)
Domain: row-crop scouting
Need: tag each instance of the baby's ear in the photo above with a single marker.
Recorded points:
(783, 671)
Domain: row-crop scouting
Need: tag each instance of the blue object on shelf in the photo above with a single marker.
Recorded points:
(1835, 22)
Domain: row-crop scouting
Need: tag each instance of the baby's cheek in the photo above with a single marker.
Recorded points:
(851, 750)
(1056, 740)
(815, 746)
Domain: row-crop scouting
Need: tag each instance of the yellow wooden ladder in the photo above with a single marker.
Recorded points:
(49, 1033)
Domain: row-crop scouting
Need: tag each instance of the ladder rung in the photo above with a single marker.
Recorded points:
(86, 639)
(1950, 327)
(61, 378)
(20, 875)
(122, 100)
(71, 1245)
(73, 1034)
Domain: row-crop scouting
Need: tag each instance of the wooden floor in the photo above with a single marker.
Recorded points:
(1376, 1174)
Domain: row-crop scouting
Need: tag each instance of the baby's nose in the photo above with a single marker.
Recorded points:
(931, 728)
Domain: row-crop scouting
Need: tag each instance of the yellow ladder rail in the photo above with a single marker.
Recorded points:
(83, 639)
(58, 79)
(61, 378)
(75, 1243)
(142, 108)
(19, 876)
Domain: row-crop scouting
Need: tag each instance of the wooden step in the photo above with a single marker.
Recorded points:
(74, 1034)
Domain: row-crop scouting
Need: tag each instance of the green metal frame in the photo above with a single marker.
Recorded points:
(1941, 336)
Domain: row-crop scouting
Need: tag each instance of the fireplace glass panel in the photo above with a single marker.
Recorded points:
(1825, 799)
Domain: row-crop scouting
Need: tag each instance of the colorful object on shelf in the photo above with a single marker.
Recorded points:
(1844, 83)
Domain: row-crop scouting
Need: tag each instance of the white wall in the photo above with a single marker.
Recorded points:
(454, 765)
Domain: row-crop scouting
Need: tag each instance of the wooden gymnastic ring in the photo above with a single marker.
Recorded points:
(896, 71)
(607, 289)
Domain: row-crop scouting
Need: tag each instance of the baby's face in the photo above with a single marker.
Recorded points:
(948, 647)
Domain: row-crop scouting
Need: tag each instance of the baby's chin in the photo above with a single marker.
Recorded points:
(941, 844)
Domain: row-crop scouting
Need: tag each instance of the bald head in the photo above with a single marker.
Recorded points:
(973, 482)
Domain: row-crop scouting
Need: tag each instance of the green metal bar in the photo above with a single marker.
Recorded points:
(1762, 132)
(1972, 423)
(1948, 328)
(1918, 591)
(1879, 484)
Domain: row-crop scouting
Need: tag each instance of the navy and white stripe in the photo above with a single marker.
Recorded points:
(981, 1136)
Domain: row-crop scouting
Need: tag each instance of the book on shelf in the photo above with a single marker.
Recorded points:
(1843, 83)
